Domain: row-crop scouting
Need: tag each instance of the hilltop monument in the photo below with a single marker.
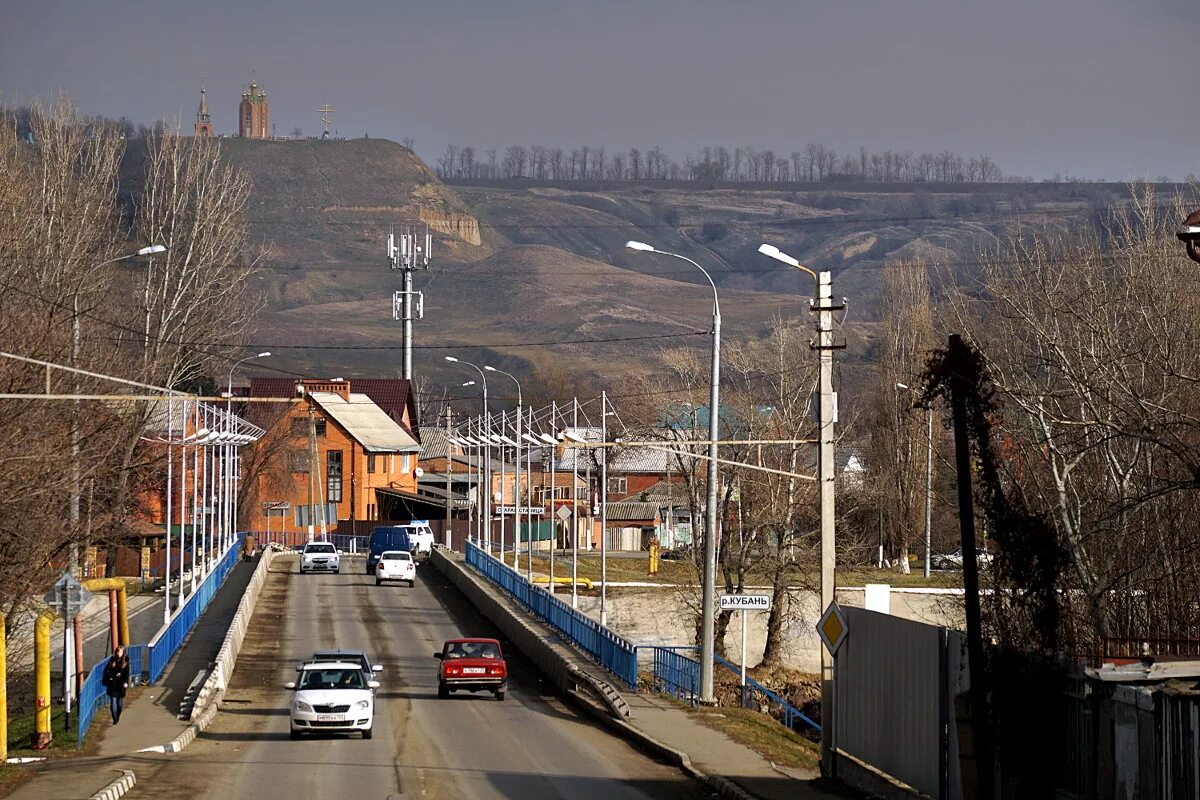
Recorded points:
(254, 115)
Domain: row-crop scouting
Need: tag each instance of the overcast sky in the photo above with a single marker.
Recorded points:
(1092, 88)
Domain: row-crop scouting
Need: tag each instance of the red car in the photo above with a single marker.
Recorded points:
(472, 664)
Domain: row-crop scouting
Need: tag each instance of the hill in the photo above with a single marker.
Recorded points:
(526, 273)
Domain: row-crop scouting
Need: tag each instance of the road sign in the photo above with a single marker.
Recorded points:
(832, 628)
(68, 597)
(745, 602)
(505, 510)
(563, 513)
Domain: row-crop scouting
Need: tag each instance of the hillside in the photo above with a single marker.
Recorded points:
(518, 268)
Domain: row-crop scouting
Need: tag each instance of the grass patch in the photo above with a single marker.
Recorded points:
(21, 727)
(763, 735)
(623, 570)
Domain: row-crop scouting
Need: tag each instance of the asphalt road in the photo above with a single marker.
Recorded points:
(531, 745)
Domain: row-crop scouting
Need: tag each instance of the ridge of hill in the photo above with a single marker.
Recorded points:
(522, 274)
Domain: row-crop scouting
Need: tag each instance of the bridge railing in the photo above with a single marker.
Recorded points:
(614, 653)
(170, 638)
(675, 673)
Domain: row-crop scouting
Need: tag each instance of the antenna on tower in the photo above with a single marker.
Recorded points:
(411, 252)
(325, 112)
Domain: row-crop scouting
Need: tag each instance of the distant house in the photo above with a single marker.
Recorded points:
(334, 455)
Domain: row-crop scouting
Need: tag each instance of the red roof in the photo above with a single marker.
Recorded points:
(390, 394)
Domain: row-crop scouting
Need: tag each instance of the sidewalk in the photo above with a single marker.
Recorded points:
(150, 716)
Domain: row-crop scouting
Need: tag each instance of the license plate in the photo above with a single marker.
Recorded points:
(331, 717)
(474, 671)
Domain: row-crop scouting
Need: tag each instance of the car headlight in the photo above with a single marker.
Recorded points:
(300, 705)
(363, 704)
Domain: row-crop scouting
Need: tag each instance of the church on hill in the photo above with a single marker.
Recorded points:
(254, 114)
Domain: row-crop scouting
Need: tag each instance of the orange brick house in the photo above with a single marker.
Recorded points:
(337, 455)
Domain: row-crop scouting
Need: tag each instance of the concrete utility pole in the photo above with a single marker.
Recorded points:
(408, 254)
(449, 469)
(604, 514)
(828, 408)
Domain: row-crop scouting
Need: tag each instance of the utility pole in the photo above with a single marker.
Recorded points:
(958, 357)
(449, 469)
(928, 487)
(825, 346)
(312, 470)
(604, 511)
(410, 253)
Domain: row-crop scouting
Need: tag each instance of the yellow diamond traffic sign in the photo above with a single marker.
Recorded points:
(832, 628)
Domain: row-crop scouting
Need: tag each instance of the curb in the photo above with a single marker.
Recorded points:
(189, 734)
(723, 786)
(117, 788)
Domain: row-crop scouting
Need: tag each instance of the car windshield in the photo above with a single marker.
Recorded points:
(337, 678)
(319, 548)
(472, 650)
(397, 557)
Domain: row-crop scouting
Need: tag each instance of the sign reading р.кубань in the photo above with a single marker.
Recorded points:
(745, 602)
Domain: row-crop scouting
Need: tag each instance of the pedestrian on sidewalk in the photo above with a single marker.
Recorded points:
(116, 681)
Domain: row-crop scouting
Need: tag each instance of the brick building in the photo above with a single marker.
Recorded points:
(254, 114)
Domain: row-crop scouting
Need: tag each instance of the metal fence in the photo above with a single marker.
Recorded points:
(169, 639)
(781, 709)
(93, 694)
(611, 651)
(347, 543)
(674, 673)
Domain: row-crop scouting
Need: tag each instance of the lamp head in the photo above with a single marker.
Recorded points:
(774, 252)
(469, 383)
(151, 250)
(632, 245)
(902, 386)
(263, 354)
(489, 368)
(451, 358)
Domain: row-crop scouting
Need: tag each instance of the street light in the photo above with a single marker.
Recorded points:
(828, 416)
(517, 483)
(928, 477)
(230, 515)
(707, 639)
(486, 506)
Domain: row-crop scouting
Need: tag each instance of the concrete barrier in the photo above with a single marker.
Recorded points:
(541, 645)
(213, 689)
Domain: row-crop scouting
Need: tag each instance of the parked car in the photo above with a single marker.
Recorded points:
(320, 557)
(954, 560)
(396, 565)
(331, 696)
(681, 553)
(471, 665)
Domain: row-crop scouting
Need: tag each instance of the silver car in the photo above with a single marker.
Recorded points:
(320, 557)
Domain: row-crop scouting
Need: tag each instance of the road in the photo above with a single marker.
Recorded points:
(530, 745)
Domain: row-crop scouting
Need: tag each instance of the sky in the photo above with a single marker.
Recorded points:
(1083, 88)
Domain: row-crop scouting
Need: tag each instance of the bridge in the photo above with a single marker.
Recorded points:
(552, 736)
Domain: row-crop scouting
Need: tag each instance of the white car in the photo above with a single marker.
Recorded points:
(396, 565)
(320, 557)
(420, 539)
(332, 697)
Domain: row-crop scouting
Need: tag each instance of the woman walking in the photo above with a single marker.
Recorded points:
(116, 681)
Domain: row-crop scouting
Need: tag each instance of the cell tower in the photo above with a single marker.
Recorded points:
(408, 252)
(325, 111)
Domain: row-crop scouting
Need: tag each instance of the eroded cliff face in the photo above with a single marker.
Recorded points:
(453, 223)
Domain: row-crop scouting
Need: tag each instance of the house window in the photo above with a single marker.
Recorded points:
(618, 486)
(370, 463)
(299, 462)
(333, 476)
(300, 427)
(371, 511)
(325, 513)
(405, 463)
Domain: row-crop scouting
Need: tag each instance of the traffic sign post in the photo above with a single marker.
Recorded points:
(67, 598)
(744, 603)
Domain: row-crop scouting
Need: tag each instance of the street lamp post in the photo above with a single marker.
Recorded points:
(928, 479)
(828, 416)
(230, 516)
(517, 478)
(486, 506)
(707, 640)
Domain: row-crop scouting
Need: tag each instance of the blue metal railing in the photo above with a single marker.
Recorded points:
(169, 639)
(611, 651)
(674, 673)
(93, 696)
(781, 709)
